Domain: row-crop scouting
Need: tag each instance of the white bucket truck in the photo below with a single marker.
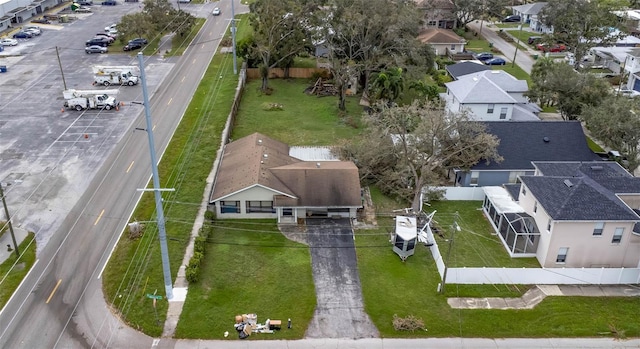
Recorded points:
(115, 75)
(89, 99)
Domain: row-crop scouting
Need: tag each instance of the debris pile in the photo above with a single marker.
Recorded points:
(246, 324)
(321, 88)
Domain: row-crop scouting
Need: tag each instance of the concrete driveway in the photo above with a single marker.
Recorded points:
(340, 309)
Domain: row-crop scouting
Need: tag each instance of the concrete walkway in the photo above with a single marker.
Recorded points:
(537, 294)
(6, 241)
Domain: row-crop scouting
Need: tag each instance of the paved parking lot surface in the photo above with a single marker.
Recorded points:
(49, 155)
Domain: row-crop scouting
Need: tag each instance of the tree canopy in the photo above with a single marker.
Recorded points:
(409, 148)
(157, 17)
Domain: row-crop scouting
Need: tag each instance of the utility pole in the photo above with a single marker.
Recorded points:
(482, 19)
(233, 38)
(162, 234)
(61, 71)
(515, 54)
(6, 212)
(454, 228)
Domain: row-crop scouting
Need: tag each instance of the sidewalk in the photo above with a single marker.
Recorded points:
(5, 241)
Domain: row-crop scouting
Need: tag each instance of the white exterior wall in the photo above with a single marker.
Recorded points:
(479, 111)
(441, 49)
(541, 217)
(255, 193)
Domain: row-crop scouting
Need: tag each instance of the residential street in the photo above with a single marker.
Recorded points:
(508, 50)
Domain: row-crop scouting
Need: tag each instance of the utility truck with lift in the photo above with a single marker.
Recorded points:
(90, 99)
(115, 75)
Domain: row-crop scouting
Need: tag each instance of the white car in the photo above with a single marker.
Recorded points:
(216, 11)
(110, 27)
(8, 42)
(33, 31)
(83, 9)
(628, 93)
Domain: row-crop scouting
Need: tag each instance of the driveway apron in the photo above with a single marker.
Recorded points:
(340, 310)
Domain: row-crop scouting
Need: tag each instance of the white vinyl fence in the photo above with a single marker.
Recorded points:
(463, 193)
(533, 276)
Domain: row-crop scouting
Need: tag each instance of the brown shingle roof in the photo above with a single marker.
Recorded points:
(303, 183)
(439, 36)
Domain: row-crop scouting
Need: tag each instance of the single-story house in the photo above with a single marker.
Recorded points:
(570, 214)
(443, 41)
(258, 178)
(438, 13)
(521, 143)
(490, 95)
(465, 68)
(527, 11)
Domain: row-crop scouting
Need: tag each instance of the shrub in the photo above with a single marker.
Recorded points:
(199, 244)
(209, 215)
(193, 273)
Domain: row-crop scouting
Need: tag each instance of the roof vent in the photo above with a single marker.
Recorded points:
(596, 168)
(317, 164)
(568, 183)
(259, 141)
(546, 139)
(265, 156)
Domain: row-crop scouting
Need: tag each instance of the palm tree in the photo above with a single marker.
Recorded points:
(388, 85)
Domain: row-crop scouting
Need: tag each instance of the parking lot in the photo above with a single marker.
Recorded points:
(48, 155)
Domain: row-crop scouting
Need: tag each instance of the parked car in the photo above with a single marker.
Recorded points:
(140, 41)
(96, 49)
(32, 31)
(512, 19)
(109, 27)
(85, 2)
(41, 21)
(534, 40)
(109, 3)
(8, 42)
(484, 56)
(22, 35)
(132, 46)
(106, 36)
(627, 93)
(83, 9)
(184, 1)
(216, 11)
(553, 48)
(98, 42)
(495, 61)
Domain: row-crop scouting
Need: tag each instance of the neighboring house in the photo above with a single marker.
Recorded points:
(465, 68)
(570, 214)
(521, 143)
(630, 20)
(443, 41)
(632, 69)
(13, 12)
(527, 11)
(491, 95)
(438, 13)
(257, 178)
(611, 58)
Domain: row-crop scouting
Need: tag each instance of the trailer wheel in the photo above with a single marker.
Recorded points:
(107, 107)
(106, 83)
(130, 83)
(78, 107)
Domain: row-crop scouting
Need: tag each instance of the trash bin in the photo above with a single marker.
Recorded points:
(490, 44)
(535, 56)
(3, 68)
(64, 19)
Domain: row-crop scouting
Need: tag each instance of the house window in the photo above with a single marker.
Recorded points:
(229, 206)
(432, 23)
(490, 108)
(503, 113)
(617, 236)
(597, 231)
(453, 47)
(260, 207)
(562, 255)
(549, 226)
(287, 212)
(535, 207)
(474, 177)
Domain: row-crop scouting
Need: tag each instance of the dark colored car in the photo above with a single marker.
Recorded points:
(534, 40)
(132, 46)
(41, 21)
(484, 56)
(512, 19)
(98, 41)
(22, 35)
(140, 41)
(84, 2)
(495, 61)
(109, 3)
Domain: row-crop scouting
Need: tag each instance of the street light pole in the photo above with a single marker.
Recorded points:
(6, 212)
(517, 44)
(162, 234)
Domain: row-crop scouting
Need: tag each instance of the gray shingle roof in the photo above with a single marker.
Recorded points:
(583, 191)
(530, 9)
(522, 142)
(490, 86)
(464, 68)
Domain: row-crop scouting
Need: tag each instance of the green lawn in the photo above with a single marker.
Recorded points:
(179, 44)
(316, 120)
(249, 267)
(594, 146)
(12, 273)
(135, 268)
(413, 285)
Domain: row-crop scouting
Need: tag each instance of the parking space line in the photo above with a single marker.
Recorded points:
(153, 128)
(170, 99)
(194, 60)
(54, 291)
(184, 77)
(99, 216)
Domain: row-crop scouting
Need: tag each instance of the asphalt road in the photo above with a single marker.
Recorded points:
(508, 50)
(63, 285)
